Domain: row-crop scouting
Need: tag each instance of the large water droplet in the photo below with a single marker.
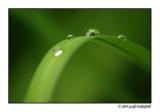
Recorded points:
(58, 52)
(70, 36)
(122, 37)
(92, 32)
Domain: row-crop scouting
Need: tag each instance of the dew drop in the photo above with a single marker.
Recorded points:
(58, 52)
(92, 32)
(70, 36)
(122, 37)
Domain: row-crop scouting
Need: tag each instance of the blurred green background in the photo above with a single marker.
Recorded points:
(95, 73)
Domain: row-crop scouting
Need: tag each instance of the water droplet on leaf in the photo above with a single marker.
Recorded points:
(122, 37)
(92, 32)
(70, 36)
(58, 52)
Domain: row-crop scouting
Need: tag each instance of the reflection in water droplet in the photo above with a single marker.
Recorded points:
(122, 37)
(58, 52)
(92, 32)
(70, 36)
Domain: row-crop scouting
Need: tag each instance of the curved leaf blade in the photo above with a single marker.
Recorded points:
(48, 72)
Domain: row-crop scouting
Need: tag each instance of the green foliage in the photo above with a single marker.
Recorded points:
(97, 72)
(45, 79)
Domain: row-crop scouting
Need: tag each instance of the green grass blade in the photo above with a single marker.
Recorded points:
(133, 51)
(48, 72)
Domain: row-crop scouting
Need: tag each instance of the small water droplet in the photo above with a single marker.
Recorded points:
(92, 32)
(58, 52)
(122, 37)
(70, 36)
